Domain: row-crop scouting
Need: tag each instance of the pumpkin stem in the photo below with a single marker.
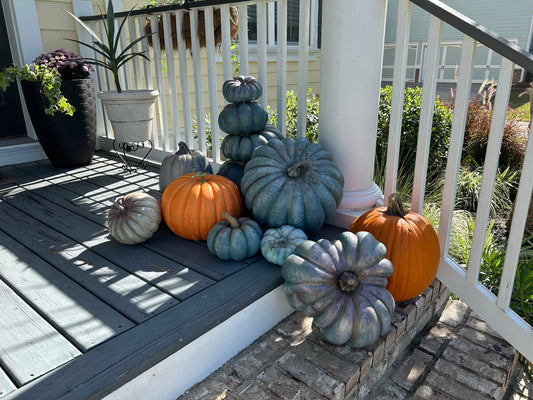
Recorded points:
(182, 149)
(395, 207)
(118, 203)
(296, 169)
(202, 176)
(348, 281)
(234, 222)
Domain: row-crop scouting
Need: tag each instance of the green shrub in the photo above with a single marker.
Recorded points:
(311, 122)
(440, 135)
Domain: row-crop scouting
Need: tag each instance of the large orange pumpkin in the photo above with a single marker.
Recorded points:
(412, 246)
(193, 203)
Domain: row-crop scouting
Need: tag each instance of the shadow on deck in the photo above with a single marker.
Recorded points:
(85, 314)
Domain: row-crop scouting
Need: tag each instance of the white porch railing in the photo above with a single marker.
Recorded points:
(185, 102)
(190, 81)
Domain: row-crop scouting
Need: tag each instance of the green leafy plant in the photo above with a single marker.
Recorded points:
(51, 85)
(469, 186)
(311, 121)
(113, 58)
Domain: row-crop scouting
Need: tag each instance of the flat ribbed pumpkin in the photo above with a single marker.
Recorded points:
(341, 284)
(412, 246)
(193, 203)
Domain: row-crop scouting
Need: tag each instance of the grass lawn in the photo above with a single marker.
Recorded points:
(520, 104)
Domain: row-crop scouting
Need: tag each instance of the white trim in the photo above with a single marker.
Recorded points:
(173, 376)
(21, 153)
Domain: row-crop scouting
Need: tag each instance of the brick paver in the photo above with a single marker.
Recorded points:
(437, 349)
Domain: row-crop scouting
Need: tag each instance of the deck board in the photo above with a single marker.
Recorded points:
(75, 312)
(6, 385)
(167, 291)
(130, 295)
(30, 346)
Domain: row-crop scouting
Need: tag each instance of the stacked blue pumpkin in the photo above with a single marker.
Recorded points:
(245, 123)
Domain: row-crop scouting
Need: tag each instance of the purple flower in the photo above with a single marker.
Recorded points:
(69, 64)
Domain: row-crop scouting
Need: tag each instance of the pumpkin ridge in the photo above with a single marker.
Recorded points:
(340, 330)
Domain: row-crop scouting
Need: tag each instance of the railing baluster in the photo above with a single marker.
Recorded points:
(282, 65)
(462, 97)
(313, 42)
(198, 87)
(171, 138)
(226, 42)
(262, 50)
(303, 56)
(135, 62)
(490, 168)
(516, 233)
(163, 123)
(184, 81)
(397, 98)
(212, 82)
(426, 113)
(243, 39)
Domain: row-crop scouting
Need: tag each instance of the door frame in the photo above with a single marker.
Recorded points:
(25, 40)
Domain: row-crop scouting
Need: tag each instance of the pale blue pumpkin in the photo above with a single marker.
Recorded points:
(241, 89)
(240, 147)
(279, 243)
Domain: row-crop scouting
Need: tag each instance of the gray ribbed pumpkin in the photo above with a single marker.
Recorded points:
(342, 285)
(134, 218)
(242, 118)
(241, 89)
(234, 238)
(240, 147)
(292, 182)
(183, 161)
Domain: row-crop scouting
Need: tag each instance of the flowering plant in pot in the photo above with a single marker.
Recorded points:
(56, 85)
(131, 112)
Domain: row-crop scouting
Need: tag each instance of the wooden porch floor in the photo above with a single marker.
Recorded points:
(83, 314)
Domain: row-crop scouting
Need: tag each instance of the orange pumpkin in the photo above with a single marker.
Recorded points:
(412, 246)
(193, 203)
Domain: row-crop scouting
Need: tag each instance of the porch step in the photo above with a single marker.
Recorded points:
(438, 349)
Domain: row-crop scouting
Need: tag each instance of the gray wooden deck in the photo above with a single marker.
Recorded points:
(82, 314)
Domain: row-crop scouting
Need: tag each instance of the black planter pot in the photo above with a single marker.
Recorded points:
(68, 141)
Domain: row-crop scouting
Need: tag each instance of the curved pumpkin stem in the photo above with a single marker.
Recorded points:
(182, 149)
(395, 207)
(231, 219)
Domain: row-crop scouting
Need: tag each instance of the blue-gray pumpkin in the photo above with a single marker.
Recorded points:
(241, 89)
(240, 147)
(183, 161)
(233, 170)
(342, 285)
(234, 238)
(292, 182)
(242, 118)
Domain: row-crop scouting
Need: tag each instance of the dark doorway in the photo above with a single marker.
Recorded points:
(11, 117)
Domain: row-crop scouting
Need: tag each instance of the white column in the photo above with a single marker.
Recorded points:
(350, 76)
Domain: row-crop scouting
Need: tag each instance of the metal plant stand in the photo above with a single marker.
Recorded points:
(121, 148)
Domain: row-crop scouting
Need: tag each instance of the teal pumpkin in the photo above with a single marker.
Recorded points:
(342, 285)
(240, 147)
(234, 238)
(279, 243)
(241, 89)
(242, 118)
(292, 182)
(233, 170)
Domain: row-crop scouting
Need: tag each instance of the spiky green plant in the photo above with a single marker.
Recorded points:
(113, 58)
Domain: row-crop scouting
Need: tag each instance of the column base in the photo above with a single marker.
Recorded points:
(354, 203)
